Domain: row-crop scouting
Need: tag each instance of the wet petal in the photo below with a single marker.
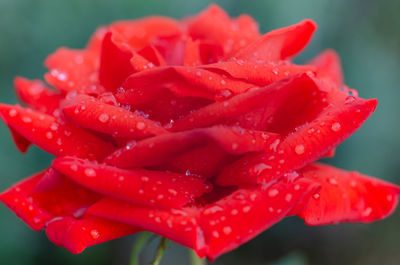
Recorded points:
(180, 225)
(34, 93)
(242, 215)
(47, 133)
(347, 197)
(77, 234)
(110, 119)
(279, 44)
(306, 144)
(73, 70)
(139, 186)
(154, 150)
(18, 199)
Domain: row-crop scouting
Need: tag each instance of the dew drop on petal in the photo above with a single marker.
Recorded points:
(273, 192)
(12, 113)
(299, 149)
(336, 126)
(104, 117)
(227, 230)
(90, 172)
(140, 125)
(94, 234)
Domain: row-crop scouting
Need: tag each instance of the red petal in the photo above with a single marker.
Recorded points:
(73, 70)
(347, 197)
(260, 74)
(77, 234)
(149, 188)
(139, 33)
(308, 143)
(237, 218)
(329, 67)
(279, 44)
(44, 131)
(214, 24)
(275, 94)
(112, 120)
(155, 150)
(180, 226)
(182, 81)
(35, 94)
(18, 199)
(115, 63)
(21, 142)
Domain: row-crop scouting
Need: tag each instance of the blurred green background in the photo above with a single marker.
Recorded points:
(364, 32)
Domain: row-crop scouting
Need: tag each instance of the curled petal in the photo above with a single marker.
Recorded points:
(328, 67)
(279, 44)
(271, 97)
(77, 234)
(140, 186)
(307, 144)
(154, 150)
(34, 93)
(242, 215)
(46, 132)
(73, 70)
(18, 199)
(180, 225)
(347, 197)
(110, 119)
(215, 25)
(145, 86)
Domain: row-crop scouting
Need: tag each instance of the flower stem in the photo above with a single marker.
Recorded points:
(160, 251)
(195, 260)
(138, 246)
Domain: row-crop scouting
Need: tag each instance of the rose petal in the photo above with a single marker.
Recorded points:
(77, 234)
(112, 120)
(180, 225)
(347, 197)
(139, 186)
(44, 131)
(154, 150)
(35, 94)
(279, 44)
(242, 215)
(329, 67)
(18, 199)
(307, 144)
(73, 70)
(270, 97)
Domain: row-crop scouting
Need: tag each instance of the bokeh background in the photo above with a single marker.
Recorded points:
(366, 33)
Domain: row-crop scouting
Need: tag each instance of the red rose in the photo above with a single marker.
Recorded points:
(200, 130)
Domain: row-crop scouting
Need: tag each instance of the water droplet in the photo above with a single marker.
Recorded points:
(90, 172)
(333, 181)
(26, 119)
(173, 192)
(215, 234)
(336, 126)
(234, 212)
(288, 197)
(260, 167)
(274, 145)
(49, 135)
(104, 117)
(299, 149)
(223, 82)
(234, 146)
(227, 230)
(74, 167)
(389, 197)
(12, 113)
(273, 192)
(270, 209)
(296, 187)
(140, 125)
(316, 196)
(366, 212)
(145, 179)
(246, 209)
(95, 234)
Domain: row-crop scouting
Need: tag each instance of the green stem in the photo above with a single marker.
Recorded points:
(160, 251)
(138, 246)
(195, 260)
